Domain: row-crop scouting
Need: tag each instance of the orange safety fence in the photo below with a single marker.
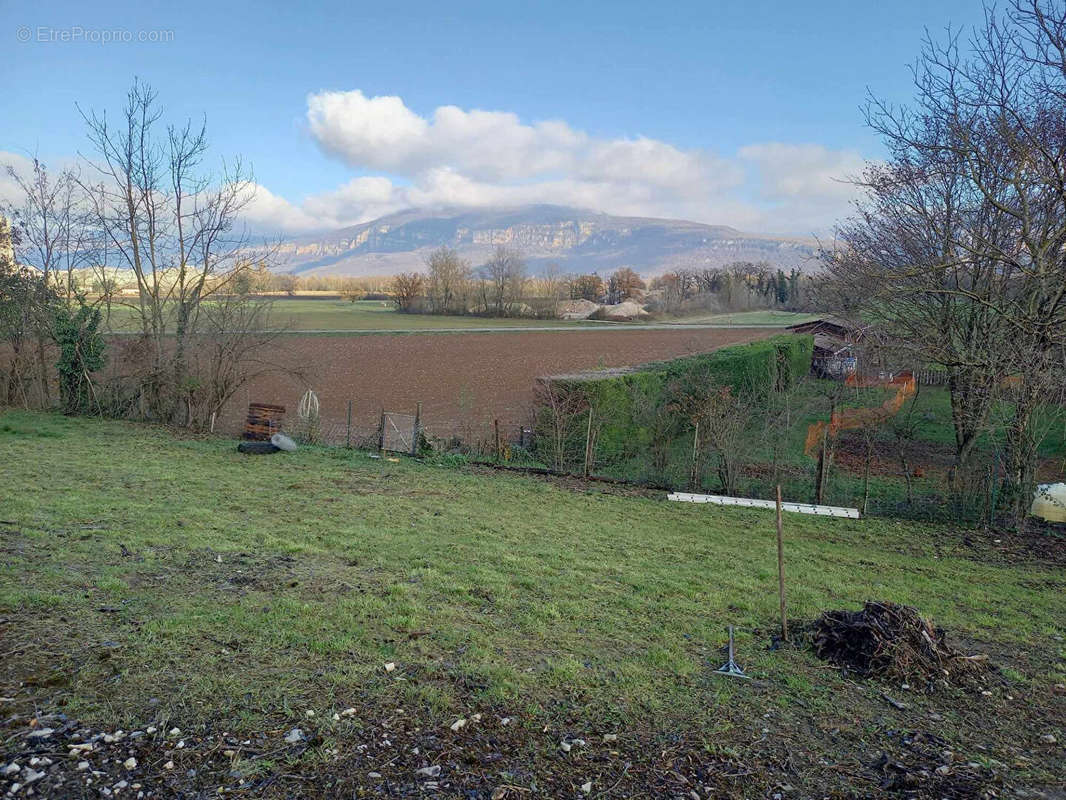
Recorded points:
(854, 418)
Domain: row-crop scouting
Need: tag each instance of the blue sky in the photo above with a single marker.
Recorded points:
(739, 113)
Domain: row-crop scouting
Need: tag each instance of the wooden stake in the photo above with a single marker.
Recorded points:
(781, 569)
(588, 444)
(417, 431)
(496, 425)
(213, 422)
(819, 487)
(695, 451)
(348, 434)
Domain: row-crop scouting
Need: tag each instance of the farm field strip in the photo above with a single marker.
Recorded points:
(465, 381)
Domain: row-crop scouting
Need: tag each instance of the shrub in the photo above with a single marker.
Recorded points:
(81, 352)
(643, 412)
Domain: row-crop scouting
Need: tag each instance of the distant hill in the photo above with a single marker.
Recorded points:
(578, 240)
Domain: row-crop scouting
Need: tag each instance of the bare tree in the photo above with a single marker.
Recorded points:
(56, 240)
(558, 410)
(967, 222)
(552, 284)
(447, 281)
(407, 289)
(721, 418)
(587, 287)
(173, 225)
(234, 346)
(505, 276)
(25, 303)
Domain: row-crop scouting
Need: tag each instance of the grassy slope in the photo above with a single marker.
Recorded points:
(257, 587)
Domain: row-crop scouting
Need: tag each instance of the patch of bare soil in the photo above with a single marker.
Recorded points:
(1038, 542)
(923, 458)
(922, 764)
(487, 757)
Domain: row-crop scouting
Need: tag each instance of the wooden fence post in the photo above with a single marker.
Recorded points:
(417, 430)
(348, 434)
(823, 460)
(496, 426)
(781, 569)
(588, 444)
(694, 470)
(381, 432)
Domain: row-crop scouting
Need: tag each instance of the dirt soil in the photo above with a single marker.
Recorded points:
(377, 752)
(463, 380)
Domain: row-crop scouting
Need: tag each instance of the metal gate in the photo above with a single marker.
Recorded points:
(399, 432)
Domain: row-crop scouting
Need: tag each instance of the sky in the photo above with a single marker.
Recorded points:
(737, 113)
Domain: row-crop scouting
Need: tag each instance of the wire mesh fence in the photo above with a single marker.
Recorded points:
(878, 478)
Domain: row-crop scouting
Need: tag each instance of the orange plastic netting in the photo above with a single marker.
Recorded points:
(855, 418)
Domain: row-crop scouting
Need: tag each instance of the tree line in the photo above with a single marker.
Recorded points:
(739, 286)
(503, 287)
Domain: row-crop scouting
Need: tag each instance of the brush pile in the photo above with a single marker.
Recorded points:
(887, 640)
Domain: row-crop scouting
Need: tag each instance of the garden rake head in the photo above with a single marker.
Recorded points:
(730, 667)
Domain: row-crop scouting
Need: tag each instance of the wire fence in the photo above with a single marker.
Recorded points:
(878, 477)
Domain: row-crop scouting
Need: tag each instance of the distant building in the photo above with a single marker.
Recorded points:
(835, 346)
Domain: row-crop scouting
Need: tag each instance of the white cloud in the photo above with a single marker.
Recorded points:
(803, 170)
(803, 187)
(478, 158)
(497, 148)
(266, 210)
(474, 157)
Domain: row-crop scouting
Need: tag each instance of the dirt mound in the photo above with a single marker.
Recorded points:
(627, 309)
(577, 309)
(894, 641)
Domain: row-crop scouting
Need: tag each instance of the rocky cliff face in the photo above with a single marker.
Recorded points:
(579, 241)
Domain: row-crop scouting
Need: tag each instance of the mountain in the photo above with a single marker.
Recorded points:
(578, 240)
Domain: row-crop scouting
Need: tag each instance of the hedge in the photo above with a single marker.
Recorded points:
(628, 407)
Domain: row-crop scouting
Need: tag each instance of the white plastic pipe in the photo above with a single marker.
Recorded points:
(749, 502)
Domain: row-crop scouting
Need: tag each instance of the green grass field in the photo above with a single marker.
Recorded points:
(364, 316)
(765, 317)
(367, 315)
(244, 591)
(378, 315)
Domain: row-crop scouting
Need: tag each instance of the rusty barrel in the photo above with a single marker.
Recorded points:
(264, 420)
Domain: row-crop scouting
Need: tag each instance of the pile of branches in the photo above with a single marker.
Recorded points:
(887, 640)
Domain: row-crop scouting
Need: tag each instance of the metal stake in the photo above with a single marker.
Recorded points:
(730, 667)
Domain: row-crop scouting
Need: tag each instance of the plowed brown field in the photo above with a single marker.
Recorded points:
(463, 380)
